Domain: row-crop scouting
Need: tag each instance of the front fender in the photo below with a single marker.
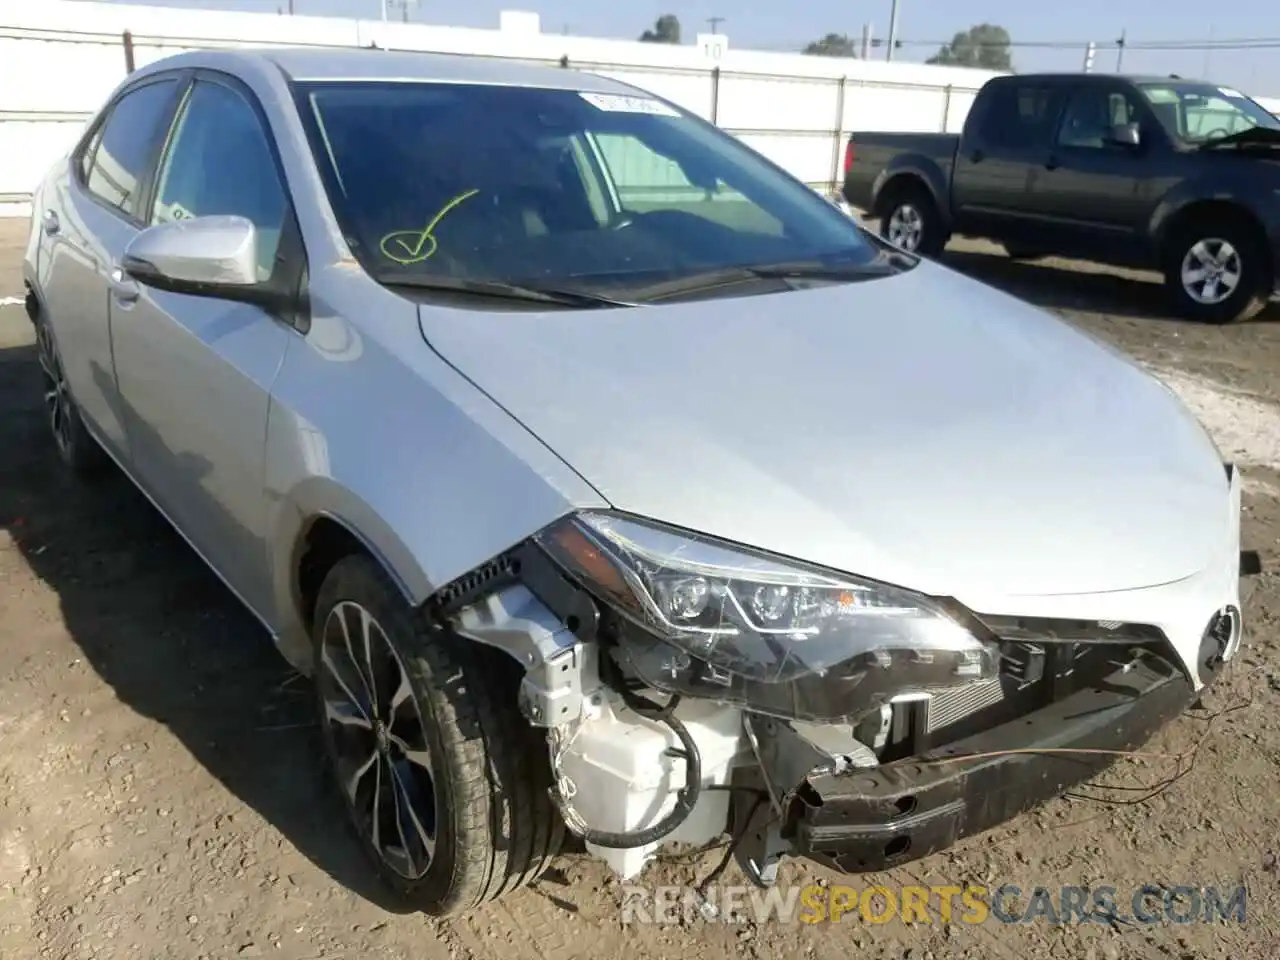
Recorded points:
(370, 428)
(1264, 205)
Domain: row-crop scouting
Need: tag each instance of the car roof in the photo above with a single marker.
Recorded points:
(371, 64)
(1067, 77)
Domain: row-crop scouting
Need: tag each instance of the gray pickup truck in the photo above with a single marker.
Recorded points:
(1151, 172)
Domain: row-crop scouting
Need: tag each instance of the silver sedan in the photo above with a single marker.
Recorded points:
(605, 477)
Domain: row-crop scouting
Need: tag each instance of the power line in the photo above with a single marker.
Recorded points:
(1252, 43)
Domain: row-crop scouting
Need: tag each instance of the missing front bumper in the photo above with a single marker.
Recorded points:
(874, 818)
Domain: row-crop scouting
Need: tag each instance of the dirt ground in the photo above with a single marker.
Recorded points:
(161, 792)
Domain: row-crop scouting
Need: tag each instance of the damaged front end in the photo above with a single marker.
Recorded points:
(692, 688)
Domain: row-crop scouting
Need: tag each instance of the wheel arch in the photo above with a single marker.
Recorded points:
(1170, 219)
(912, 173)
(323, 523)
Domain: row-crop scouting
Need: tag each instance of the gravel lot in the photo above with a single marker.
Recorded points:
(161, 795)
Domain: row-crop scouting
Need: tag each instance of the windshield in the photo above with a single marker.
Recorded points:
(554, 188)
(1200, 112)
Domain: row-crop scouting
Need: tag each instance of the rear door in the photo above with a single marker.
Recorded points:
(89, 213)
(1001, 155)
(196, 372)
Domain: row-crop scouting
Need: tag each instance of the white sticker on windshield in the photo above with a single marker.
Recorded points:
(1231, 94)
(616, 103)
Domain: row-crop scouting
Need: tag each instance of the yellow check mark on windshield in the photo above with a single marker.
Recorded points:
(414, 246)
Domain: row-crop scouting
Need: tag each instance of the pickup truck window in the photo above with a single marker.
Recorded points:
(1017, 115)
(1198, 112)
(1091, 114)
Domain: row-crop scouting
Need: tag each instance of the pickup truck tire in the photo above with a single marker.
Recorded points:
(909, 219)
(1217, 271)
(444, 781)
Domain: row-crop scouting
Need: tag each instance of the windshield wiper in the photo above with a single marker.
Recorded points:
(793, 270)
(502, 289)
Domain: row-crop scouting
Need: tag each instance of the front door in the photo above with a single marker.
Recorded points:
(1093, 191)
(195, 373)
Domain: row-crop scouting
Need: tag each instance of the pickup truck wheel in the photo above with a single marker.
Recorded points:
(445, 783)
(911, 221)
(1217, 273)
(76, 447)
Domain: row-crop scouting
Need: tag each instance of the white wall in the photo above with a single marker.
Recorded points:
(60, 59)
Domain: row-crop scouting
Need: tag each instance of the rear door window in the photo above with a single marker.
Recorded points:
(1018, 116)
(123, 152)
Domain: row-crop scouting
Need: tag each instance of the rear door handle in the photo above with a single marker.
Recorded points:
(124, 289)
(1051, 163)
(50, 222)
(977, 156)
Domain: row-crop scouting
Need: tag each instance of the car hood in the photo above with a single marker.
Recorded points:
(921, 429)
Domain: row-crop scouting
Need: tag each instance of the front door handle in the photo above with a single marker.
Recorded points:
(50, 222)
(1051, 163)
(977, 156)
(123, 288)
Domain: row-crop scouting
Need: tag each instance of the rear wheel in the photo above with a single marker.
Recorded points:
(1217, 271)
(76, 447)
(910, 220)
(444, 781)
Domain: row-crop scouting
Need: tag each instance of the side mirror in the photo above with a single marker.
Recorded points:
(205, 256)
(1125, 135)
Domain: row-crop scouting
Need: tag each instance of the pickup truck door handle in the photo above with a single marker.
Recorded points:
(124, 289)
(1051, 163)
(50, 222)
(976, 156)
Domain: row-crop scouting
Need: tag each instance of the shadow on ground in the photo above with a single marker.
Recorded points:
(170, 640)
(1058, 286)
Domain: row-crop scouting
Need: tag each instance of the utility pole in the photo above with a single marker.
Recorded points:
(1089, 52)
(1120, 52)
(893, 31)
(715, 24)
(866, 41)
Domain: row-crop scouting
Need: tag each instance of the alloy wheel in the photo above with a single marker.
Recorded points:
(1211, 271)
(906, 227)
(57, 396)
(378, 740)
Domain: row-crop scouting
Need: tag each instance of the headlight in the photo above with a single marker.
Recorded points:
(709, 619)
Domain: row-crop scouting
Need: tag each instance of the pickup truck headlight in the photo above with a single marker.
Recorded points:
(709, 619)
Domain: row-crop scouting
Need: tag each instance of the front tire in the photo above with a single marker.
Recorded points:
(1217, 272)
(76, 446)
(910, 220)
(444, 781)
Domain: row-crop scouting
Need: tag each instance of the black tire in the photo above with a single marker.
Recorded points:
(494, 824)
(1241, 252)
(77, 448)
(912, 203)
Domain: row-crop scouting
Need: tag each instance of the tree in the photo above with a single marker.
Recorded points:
(832, 45)
(984, 45)
(665, 30)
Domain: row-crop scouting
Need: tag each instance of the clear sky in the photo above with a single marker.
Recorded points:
(788, 26)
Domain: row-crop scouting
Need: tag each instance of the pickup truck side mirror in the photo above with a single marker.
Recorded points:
(1126, 135)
